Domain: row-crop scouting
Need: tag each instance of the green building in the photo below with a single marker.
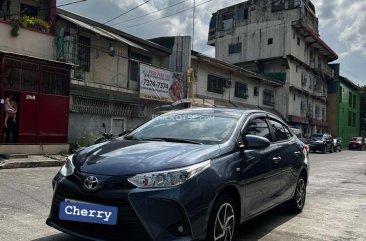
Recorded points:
(343, 109)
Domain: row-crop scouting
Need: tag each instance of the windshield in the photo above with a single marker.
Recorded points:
(206, 129)
(316, 137)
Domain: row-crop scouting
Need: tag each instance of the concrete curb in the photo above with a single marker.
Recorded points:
(7, 164)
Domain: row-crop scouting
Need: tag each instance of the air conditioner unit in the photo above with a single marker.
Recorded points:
(228, 84)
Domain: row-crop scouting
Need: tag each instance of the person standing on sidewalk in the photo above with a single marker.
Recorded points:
(11, 109)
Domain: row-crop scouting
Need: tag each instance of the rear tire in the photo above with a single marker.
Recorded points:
(297, 202)
(339, 148)
(223, 220)
(331, 149)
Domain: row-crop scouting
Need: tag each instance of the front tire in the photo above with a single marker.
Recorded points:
(297, 202)
(324, 149)
(223, 219)
(331, 149)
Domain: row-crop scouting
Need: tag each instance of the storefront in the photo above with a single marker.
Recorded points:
(39, 90)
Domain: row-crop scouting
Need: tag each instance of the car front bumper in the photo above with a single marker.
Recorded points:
(143, 214)
(316, 147)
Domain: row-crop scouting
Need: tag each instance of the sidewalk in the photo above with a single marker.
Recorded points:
(26, 161)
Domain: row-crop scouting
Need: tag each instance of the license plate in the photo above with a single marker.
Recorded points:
(88, 213)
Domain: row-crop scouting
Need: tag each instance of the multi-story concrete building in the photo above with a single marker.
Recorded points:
(279, 39)
(344, 104)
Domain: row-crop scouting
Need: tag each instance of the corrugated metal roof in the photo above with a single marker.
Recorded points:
(101, 31)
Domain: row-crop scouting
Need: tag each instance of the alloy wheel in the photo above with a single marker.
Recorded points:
(224, 223)
(300, 193)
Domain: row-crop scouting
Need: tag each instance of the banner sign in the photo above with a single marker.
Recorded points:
(159, 84)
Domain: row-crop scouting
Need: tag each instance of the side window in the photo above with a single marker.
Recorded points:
(258, 127)
(288, 133)
(279, 130)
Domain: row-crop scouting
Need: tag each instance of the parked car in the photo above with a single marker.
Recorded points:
(185, 175)
(357, 143)
(321, 142)
(337, 144)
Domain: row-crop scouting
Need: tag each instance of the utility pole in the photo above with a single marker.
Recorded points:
(194, 10)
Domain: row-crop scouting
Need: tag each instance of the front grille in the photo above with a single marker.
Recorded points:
(128, 227)
(110, 183)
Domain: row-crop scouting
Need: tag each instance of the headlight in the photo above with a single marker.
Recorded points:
(68, 168)
(168, 178)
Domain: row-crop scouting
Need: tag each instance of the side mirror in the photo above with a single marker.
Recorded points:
(255, 142)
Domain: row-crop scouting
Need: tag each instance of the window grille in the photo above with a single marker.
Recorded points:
(241, 90)
(88, 105)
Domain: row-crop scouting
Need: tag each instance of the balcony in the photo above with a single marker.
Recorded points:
(28, 42)
(27, 27)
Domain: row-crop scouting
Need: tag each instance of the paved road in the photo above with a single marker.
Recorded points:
(335, 208)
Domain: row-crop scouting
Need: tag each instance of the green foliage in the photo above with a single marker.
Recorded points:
(87, 139)
(28, 22)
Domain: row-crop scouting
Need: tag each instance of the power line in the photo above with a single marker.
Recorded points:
(157, 19)
(129, 20)
(130, 10)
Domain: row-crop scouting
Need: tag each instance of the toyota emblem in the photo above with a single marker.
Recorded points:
(91, 182)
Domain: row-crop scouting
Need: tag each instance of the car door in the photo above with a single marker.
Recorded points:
(257, 169)
(284, 152)
(292, 155)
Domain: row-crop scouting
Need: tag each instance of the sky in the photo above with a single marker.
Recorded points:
(341, 24)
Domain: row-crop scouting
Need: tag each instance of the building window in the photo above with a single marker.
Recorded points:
(323, 114)
(255, 91)
(135, 60)
(354, 101)
(215, 84)
(293, 35)
(297, 67)
(241, 13)
(268, 97)
(278, 5)
(354, 120)
(350, 99)
(84, 53)
(349, 118)
(20, 75)
(234, 48)
(54, 81)
(340, 94)
(298, 41)
(28, 10)
(227, 20)
(294, 96)
(270, 41)
(241, 90)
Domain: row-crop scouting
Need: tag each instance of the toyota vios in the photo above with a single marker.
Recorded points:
(186, 175)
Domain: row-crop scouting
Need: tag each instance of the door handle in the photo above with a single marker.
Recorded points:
(297, 153)
(276, 159)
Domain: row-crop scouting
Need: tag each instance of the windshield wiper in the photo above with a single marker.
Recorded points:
(182, 140)
(131, 138)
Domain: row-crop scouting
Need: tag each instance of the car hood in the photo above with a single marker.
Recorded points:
(129, 157)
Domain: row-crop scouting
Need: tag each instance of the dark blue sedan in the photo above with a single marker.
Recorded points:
(186, 175)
